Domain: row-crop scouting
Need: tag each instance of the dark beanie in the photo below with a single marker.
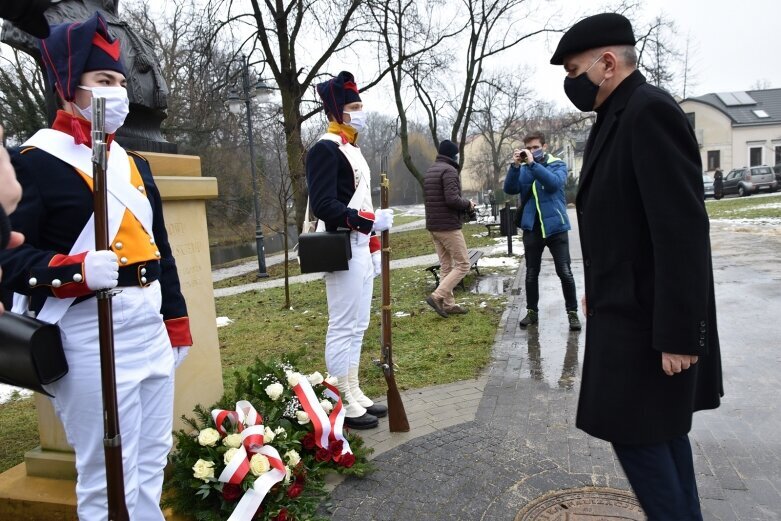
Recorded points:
(448, 148)
(338, 92)
(595, 31)
(27, 15)
(75, 48)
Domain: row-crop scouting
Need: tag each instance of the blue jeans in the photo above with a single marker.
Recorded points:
(558, 245)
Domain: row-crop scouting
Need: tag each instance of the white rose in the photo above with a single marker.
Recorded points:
(208, 437)
(327, 406)
(331, 380)
(292, 457)
(232, 441)
(315, 378)
(274, 391)
(229, 455)
(288, 474)
(268, 435)
(204, 470)
(302, 417)
(293, 378)
(259, 464)
(280, 431)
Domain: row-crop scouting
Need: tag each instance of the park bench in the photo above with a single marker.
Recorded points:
(474, 256)
(490, 227)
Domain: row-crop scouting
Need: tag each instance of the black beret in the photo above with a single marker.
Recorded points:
(595, 31)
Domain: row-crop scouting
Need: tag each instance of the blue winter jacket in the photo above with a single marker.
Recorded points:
(542, 184)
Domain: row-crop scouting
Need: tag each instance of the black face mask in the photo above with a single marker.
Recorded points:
(581, 91)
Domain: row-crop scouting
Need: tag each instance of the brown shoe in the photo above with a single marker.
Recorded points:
(456, 310)
(432, 301)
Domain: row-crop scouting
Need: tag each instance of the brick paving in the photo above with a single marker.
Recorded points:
(482, 449)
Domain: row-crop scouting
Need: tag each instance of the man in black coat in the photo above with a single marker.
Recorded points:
(652, 350)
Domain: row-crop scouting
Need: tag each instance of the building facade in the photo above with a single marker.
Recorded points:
(736, 129)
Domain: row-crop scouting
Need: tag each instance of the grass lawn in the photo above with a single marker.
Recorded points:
(428, 350)
(405, 244)
(745, 208)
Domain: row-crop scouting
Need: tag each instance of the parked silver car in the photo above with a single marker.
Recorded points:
(750, 180)
(707, 184)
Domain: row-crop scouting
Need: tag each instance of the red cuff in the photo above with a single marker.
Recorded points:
(374, 244)
(72, 282)
(179, 331)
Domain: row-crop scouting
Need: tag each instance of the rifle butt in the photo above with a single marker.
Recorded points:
(115, 481)
(397, 416)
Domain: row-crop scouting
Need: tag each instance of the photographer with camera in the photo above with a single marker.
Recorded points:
(540, 178)
(446, 211)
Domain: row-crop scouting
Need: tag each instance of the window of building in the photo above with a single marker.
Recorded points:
(714, 159)
(754, 156)
(690, 117)
(778, 155)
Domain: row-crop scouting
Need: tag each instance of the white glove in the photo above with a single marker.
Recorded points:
(377, 263)
(180, 353)
(101, 270)
(383, 219)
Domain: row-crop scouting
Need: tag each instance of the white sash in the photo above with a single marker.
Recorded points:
(362, 198)
(121, 195)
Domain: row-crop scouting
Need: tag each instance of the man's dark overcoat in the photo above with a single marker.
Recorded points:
(649, 279)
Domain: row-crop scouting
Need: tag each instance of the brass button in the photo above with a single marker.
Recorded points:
(32, 282)
(157, 253)
(141, 188)
(77, 277)
(56, 283)
(119, 245)
(143, 271)
(151, 240)
(143, 280)
(123, 260)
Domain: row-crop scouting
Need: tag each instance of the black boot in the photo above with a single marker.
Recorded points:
(574, 322)
(367, 421)
(530, 319)
(378, 410)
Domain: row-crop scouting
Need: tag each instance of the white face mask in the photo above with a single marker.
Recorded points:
(357, 120)
(117, 106)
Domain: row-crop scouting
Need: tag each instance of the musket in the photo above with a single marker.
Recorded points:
(397, 416)
(112, 441)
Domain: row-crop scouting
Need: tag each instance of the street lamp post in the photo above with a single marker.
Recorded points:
(234, 102)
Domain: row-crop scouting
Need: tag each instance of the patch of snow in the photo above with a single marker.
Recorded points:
(401, 314)
(223, 321)
(509, 262)
(8, 391)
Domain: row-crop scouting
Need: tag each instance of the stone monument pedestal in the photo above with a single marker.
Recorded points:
(43, 487)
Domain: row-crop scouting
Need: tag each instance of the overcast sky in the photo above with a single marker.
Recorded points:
(733, 46)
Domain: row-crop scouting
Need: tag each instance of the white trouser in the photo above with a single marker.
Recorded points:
(145, 395)
(349, 296)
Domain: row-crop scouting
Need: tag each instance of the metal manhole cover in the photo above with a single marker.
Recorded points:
(583, 504)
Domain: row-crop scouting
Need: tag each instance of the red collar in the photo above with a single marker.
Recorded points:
(77, 127)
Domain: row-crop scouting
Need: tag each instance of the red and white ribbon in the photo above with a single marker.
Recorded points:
(327, 428)
(250, 502)
(250, 424)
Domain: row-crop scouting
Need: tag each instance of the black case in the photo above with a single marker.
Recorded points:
(324, 251)
(31, 354)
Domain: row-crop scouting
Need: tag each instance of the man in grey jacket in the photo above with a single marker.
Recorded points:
(445, 212)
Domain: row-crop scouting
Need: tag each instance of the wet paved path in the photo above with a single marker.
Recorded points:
(522, 441)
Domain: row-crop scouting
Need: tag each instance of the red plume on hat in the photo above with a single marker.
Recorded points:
(338, 92)
(75, 48)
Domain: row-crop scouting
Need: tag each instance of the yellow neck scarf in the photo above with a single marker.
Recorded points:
(347, 132)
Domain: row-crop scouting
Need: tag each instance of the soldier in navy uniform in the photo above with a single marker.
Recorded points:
(338, 179)
(57, 270)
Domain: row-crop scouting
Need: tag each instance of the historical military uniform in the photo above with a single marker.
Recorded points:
(150, 315)
(338, 181)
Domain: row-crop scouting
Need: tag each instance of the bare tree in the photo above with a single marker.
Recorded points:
(22, 101)
(501, 108)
